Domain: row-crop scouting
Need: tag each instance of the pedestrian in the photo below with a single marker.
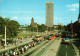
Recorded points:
(29, 46)
(22, 50)
(17, 49)
(6, 54)
(14, 53)
(26, 47)
(10, 53)
(34, 43)
(2, 54)
(7, 43)
(18, 53)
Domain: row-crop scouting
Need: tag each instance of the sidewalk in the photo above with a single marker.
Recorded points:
(10, 46)
(76, 49)
(52, 50)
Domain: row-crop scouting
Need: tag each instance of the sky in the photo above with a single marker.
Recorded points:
(23, 11)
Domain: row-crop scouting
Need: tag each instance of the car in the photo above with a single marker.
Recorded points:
(66, 40)
(38, 38)
(50, 37)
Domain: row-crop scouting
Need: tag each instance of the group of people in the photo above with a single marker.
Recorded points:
(17, 51)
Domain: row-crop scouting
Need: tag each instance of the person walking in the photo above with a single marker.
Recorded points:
(18, 53)
(7, 43)
(22, 50)
(26, 47)
(14, 53)
(6, 54)
(2, 54)
(10, 53)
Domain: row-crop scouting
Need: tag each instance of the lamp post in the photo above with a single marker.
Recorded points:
(72, 29)
(37, 30)
(5, 37)
(79, 30)
(79, 24)
(47, 31)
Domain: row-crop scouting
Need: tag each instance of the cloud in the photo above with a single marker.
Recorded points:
(36, 17)
(72, 10)
(15, 17)
(73, 5)
(5, 17)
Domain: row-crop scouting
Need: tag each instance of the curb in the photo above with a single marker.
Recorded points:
(76, 50)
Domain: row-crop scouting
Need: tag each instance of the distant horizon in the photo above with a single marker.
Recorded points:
(23, 11)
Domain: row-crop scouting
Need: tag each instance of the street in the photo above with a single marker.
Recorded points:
(44, 48)
(65, 50)
(51, 48)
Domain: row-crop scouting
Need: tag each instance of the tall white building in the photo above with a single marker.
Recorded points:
(49, 14)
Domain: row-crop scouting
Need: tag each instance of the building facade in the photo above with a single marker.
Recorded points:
(33, 24)
(60, 24)
(49, 14)
(79, 18)
(56, 26)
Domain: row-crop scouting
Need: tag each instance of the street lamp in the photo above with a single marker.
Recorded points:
(72, 29)
(5, 37)
(37, 30)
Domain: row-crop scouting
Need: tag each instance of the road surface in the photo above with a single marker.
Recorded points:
(65, 50)
(44, 48)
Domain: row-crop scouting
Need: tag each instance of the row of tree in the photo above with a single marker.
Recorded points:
(11, 25)
(42, 28)
(39, 28)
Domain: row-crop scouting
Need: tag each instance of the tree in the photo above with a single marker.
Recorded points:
(42, 28)
(59, 27)
(33, 29)
(2, 26)
(6, 19)
(12, 28)
(50, 28)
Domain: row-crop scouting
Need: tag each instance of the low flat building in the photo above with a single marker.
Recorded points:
(55, 26)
